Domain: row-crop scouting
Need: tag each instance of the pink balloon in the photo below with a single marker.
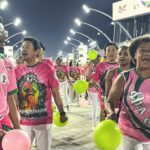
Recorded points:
(83, 103)
(17, 140)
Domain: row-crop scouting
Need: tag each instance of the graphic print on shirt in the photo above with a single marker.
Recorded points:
(3, 78)
(60, 74)
(137, 100)
(74, 74)
(32, 95)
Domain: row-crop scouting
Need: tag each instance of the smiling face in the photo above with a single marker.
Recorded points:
(142, 56)
(28, 52)
(111, 53)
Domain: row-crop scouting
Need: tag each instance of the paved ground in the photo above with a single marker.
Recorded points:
(78, 134)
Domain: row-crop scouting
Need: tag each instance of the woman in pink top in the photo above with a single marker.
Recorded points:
(124, 62)
(93, 92)
(133, 87)
(8, 91)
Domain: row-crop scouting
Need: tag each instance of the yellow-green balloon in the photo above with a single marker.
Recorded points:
(92, 54)
(56, 120)
(80, 86)
(53, 108)
(107, 135)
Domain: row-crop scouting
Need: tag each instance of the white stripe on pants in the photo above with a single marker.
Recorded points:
(42, 133)
(129, 143)
(94, 100)
(63, 88)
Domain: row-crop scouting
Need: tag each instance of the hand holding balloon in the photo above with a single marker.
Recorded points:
(58, 120)
(107, 135)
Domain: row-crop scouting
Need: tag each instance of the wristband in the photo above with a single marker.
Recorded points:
(62, 113)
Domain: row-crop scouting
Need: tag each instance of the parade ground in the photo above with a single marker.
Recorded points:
(77, 134)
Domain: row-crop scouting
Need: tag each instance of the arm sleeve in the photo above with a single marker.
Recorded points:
(12, 86)
(53, 82)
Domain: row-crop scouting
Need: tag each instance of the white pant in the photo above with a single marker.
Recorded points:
(94, 101)
(42, 133)
(64, 95)
(73, 95)
(129, 143)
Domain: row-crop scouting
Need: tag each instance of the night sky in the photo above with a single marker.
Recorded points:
(50, 21)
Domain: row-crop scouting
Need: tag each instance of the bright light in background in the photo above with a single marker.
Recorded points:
(78, 21)
(17, 21)
(3, 4)
(72, 31)
(24, 32)
(98, 33)
(8, 41)
(65, 42)
(112, 23)
(68, 38)
(89, 41)
(93, 43)
(60, 53)
(86, 9)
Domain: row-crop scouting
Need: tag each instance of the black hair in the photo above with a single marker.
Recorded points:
(60, 58)
(34, 41)
(109, 44)
(136, 43)
(77, 64)
(70, 63)
(124, 47)
(42, 46)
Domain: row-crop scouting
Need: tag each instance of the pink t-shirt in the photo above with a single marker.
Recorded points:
(7, 84)
(61, 72)
(101, 69)
(74, 73)
(34, 84)
(134, 119)
(89, 73)
(48, 61)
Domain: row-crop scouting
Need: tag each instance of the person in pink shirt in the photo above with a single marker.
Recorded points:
(124, 63)
(35, 80)
(133, 88)
(63, 78)
(74, 74)
(41, 55)
(93, 91)
(8, 89)
(100, 73)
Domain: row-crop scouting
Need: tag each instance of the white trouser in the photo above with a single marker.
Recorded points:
(72, 94)
(42, 134)
(64, 95)
(94, 101)
(129, 143)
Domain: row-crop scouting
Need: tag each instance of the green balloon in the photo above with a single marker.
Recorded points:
(56, 120)
(107, 135)
(80, 86)
(53, 108)
(92, 54)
